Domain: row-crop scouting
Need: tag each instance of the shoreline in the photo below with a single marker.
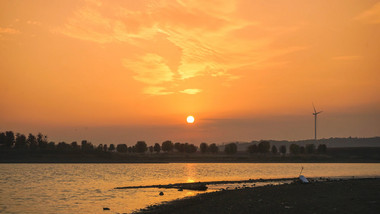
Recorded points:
(185, 161)
(359, 155)
(361, 195)
(214, 182)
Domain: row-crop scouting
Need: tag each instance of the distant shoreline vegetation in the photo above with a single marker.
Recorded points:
(21, 148)
(19, 142)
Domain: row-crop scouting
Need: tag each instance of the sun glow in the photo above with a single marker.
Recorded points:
(190, 119)
(143, 65)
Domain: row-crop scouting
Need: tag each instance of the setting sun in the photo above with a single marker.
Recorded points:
(248, 68)
(190, 119)
(111, 82)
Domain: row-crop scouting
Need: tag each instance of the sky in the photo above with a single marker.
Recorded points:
(122, 71)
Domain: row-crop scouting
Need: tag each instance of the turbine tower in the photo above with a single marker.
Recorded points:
(315, 121)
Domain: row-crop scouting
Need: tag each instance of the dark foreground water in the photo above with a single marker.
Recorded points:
(87, 188)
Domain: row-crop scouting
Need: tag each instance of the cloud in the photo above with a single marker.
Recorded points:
(212, 41)
(347, 58)
(370, 16)
(91, 24)
(31, 22)
(88, 25)
(150, 69)
(191, 91)
(9, 31)
(156, 90)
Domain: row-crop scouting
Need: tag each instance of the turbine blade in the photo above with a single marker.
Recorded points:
(320, 112)
(315, 111)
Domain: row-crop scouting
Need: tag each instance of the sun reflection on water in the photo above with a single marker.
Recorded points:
(190, 171)
(190, 193)
(88, 188)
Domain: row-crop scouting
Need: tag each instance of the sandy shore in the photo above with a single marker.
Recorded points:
(348, 196)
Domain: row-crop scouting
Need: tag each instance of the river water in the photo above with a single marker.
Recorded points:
(88, 188)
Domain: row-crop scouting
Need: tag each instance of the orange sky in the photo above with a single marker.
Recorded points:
(121, 71)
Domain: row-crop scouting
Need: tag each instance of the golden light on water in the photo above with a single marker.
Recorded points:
(190, 193)
(190, 172)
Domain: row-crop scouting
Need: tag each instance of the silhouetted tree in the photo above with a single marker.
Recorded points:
(177, 146)
(151, 149)
(130, 149)
(122, 148)
(50, 146)
(294, 149)
(264, 147)
(87, 146)
(157, 147)
(63, 147)
(112, 147)
(274, 149)
(105, 148)
(20, 143)
(99, 148)
(213, 148)
(230, 148)
(253, 148)
(10, 139)
(283, 149)
(204, 147)
(310, 148)
(322, 148)
(184, 147)
(74, 146)
(2, 140)
(190, 148)
(32, 142)
(42, 141)
(84, 145)
(7, 139)
(302, 150)
(141, 147)
(167, 146)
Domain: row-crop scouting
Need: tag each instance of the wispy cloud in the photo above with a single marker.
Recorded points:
(150, 69)
(371, 16)
(209, 38)
(156, 90)
(31, 22)
(92, 24)
(9, 31)
(191, 91)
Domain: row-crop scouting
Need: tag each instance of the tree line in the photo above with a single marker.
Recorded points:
(264, 147)
(20, 142)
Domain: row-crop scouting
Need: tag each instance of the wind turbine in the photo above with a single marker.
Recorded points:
(315, 121)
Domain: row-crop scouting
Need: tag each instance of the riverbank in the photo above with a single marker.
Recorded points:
(358, 155)
(343, 196)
